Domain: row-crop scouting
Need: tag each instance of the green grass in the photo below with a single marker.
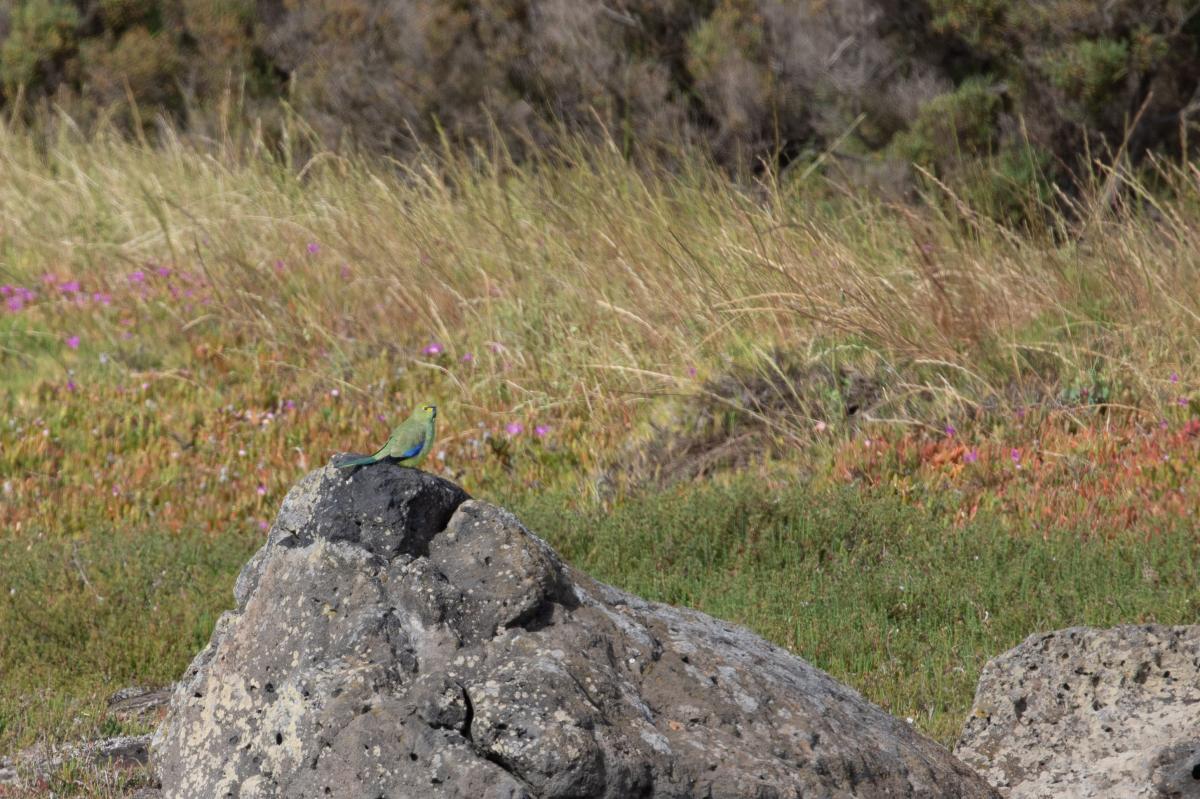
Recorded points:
(86, 615)
(890, 599)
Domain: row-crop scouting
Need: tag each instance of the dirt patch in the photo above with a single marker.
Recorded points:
(749, 413)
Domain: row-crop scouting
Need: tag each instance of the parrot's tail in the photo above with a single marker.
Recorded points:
(359, 461)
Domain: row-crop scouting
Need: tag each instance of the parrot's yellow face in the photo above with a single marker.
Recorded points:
(426, 412)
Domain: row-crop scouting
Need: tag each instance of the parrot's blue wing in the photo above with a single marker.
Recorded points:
(410, 453)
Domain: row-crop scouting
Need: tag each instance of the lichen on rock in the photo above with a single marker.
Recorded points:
(1087, 712)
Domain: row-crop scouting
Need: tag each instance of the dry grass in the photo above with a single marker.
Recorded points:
(565, 295)
(577, 291)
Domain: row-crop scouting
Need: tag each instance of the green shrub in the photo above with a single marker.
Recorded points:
(121, 14)
(1147, 49)
(1016, 185)
(1080, 71)
(726, 57)
(1091, 72)
(147, 63)
(981, 23)
(39, 43)
(733, 31)
(961, 137)
(960, 123)
(761, 82)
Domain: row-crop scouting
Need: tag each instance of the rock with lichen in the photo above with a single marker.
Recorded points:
(396, 638)
(1086, 712)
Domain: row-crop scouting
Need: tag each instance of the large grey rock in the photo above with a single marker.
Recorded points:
(394, 638)
(1091, 713)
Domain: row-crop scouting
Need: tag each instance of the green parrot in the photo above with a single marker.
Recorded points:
(409, 442)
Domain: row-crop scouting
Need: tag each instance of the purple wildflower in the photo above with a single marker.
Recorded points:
(262, 524)
(1163, 425)
(137, 276)
(1174, 377)
(432, 348)
(950, 431)
(1183, 402)
(514, 428)
(49, 279)
(280, 266)
(73, 342)
(691, 371)
(103, 298)
(289, 405)
(163, 271)
(15, 304)
(6, 291)
(345, 272)
(971, 456)
(69, 287)
(467, 358)
(71, 385)
(541, 431)
(313, 248)
(1015, 454)
(262, 490)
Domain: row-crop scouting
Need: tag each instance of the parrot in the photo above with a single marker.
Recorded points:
(409, 443)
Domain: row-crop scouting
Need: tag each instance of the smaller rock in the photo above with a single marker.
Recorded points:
(140, 703)
(1089, 712)
(122, 752)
